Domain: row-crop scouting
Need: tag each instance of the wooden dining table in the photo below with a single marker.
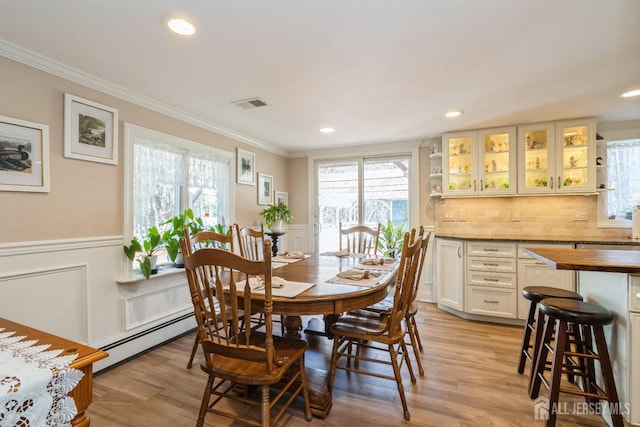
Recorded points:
(327, 300)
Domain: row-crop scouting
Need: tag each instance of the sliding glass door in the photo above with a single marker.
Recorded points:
(359, 191)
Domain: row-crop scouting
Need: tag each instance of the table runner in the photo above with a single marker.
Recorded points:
(34, 383)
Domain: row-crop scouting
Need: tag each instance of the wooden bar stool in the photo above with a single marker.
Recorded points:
(586, 321)
(535, 294)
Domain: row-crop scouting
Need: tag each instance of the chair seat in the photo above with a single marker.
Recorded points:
(287, 351)
(538, 293)
(366, 325)
(574, 311)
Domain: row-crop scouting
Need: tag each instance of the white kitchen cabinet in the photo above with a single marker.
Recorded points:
(491, 279)
(557, 157)
(480, 162)
(532, 272)
(450, 273)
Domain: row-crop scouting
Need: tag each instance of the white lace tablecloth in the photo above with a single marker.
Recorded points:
(34, 384)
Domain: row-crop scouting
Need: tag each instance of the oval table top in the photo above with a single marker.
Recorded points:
(327, 298)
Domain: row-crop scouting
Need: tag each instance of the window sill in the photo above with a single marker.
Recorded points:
(163, 272)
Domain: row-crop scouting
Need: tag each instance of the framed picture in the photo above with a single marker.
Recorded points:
(245, 167)
(90, 130)
(265, 189)
(24, 155)
(282, 198)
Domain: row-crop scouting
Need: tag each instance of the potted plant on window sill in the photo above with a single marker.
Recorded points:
(148, 259)
(275, 216)
(171, 237)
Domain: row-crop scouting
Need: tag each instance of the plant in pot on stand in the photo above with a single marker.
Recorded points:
(147, 249)
(275, 216)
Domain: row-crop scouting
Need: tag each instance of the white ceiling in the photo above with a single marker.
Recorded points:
(376, 70)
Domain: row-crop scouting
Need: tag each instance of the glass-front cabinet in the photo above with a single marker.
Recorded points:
(557, 157)
(460, 152)
(479, 162)
(576, 156)
(497, 174)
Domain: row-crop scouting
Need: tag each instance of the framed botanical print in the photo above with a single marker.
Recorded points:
(90, 130)
(265, 189)
(24, 155)
(245, 167)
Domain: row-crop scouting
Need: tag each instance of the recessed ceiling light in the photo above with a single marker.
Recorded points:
(181, 26)
(631, 93)
(326, 130)
(455, 113)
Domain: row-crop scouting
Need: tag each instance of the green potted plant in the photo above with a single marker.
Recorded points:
(171, 237)
(276, 215)
(390, 239)
(148, 259)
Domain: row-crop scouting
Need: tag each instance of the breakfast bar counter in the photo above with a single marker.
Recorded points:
(610, 278)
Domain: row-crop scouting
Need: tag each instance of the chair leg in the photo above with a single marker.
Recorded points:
(407, 360)
(305, 391)
(265, 413)
(396, 372)
(205, 401)
(416, 332)
(556, 372)
(193, 351)
(542, 338)
(527, 338)
(607, 376)
(334, 361)
(413, 332)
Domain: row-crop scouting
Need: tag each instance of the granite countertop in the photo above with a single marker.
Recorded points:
(626, 241)
(615, 261)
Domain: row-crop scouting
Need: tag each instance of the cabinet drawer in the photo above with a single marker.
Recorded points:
(497, 302)
(491, 249)
(496, 265)
(522, 246)
(495, 280)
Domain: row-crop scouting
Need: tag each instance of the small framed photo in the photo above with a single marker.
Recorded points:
(245, 167)
(90, 130)
(282, 198)
(24, 155)
(265, 189)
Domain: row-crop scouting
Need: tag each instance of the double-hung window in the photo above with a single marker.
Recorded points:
(168, 174)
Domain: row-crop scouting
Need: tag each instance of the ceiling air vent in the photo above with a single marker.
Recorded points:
(247, 104)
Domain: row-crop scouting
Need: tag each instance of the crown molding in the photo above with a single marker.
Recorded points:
(48, 65)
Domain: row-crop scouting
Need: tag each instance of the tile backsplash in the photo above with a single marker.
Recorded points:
(528, 217)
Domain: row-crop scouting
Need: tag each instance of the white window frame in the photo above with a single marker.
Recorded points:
(409, 148)
(131, 133)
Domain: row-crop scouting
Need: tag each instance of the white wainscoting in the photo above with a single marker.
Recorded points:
(70, 288)
(296, 239)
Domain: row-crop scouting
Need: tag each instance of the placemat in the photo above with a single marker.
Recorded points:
(358, 280)
(279, 287)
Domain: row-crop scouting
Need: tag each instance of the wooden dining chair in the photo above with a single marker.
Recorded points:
(368, 334)
(201, 240)
(235, 356)
(412, 309)
(359, 239)
(251, 241)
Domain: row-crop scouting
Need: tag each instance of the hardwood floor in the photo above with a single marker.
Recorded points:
(470, 380)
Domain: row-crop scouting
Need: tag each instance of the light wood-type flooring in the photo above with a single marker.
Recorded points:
(470, 380)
